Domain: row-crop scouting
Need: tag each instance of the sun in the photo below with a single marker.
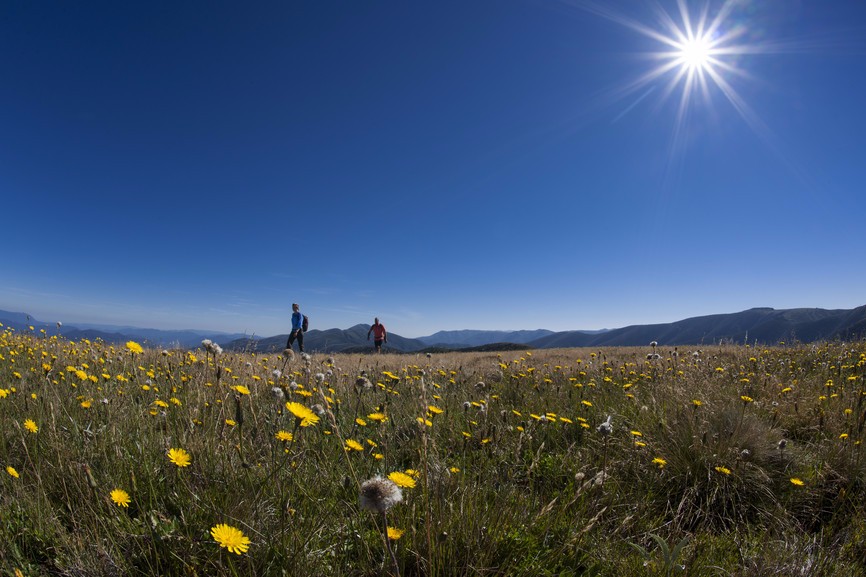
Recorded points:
(696, 54)
(697, 57)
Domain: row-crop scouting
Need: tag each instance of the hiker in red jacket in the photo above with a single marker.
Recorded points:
(380, 335)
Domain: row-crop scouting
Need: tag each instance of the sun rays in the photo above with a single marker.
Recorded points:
(695, 59)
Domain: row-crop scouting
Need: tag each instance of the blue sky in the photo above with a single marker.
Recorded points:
(442, 165)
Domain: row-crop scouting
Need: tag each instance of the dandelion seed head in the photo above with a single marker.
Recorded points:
(606, 428)
(379, 494)
(363, 384)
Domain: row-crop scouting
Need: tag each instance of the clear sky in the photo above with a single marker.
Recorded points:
(484, 164)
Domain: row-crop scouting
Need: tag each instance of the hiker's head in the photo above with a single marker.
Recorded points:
(376, 321)
(295, 307)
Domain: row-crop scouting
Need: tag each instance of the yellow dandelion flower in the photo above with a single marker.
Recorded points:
(12, 472)
(231, 422)
(378, 417)
(697, 402)
(394, 533)
(639, 444)
(586, 403)
(402, 479)
(87, 404)
(797, 481)
(361, 422)
(636, 434)
(241, 390)
(230, 538)
(134, 347)
(31, 426)
(660, 462)
(423, 421)
(179, 457)
(746, 398)
(353, 445)
(305, 415)
(283, 436)
(120, 497)
(723, 470)
(434, 410)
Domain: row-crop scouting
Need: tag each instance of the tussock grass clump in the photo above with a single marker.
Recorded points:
(125, 460)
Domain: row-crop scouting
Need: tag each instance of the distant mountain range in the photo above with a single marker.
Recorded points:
(754, 326)
(117, 334)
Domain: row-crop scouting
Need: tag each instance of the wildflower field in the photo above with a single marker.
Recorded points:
(734, 460)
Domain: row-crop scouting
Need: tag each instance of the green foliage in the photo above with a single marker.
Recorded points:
(733, 461)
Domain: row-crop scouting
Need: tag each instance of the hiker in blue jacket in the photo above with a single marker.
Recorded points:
(297, 328)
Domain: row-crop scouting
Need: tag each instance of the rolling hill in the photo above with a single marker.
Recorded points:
(753, 326)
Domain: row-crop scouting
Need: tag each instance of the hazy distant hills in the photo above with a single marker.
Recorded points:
(758, 325)
(761, 325)
(116, 334)
(470, 338)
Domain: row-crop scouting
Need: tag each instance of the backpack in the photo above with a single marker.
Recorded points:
(305, 324)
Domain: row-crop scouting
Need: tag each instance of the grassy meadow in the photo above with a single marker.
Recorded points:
(729, 461)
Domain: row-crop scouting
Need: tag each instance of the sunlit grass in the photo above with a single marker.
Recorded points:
(133, 461)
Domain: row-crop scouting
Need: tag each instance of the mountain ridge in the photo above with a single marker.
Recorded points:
(759, 325)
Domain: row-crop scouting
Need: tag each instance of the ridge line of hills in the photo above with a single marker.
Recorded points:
(756, 325)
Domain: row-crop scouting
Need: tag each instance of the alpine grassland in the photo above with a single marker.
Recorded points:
(729, 460)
